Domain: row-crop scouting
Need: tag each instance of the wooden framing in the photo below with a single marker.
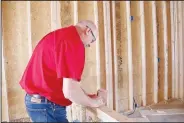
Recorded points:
(176, 49)
(75, 11)
(107, 115)
(165, 50)
(143, 52)
(180, 48)
(151, 52)
(115, 91)
(138, 53)
(108, 53)
(29, 28)
(172, 45)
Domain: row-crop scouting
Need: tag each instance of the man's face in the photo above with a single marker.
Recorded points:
(90, 36)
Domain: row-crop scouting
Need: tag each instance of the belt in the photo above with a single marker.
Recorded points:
(38, 98)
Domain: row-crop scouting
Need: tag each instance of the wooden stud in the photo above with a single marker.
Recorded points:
(169, 47)
(138, 52)
(161, 49)
(172, 45)
(176, 49)
(130, 66)
(115, 56)
(143, 52)
(151, 52)
(180, 54)
(29, 28)
(165, 51)
(97, 46)
(155, 52)
(5, 106)
(108, 53)
(75, 11)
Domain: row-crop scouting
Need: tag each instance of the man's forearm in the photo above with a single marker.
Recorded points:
(80, 97)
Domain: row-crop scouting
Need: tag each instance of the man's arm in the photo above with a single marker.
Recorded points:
(74, 93)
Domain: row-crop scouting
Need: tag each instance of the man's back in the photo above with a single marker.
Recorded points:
(49, 64)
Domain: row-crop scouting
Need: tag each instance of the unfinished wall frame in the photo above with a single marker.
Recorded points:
(138, 53)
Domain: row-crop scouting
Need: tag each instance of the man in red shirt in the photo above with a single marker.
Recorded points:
(51, 78)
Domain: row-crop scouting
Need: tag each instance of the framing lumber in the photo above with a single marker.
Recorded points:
(176, 49)
(151, 52)
(100, 45)
(130, 67)
(5, 106)
(180, 50)
(75, 11)
(107, 115)
(29, 28)
(165, 50)
(143, 52)
(169, 47)
(108, 53)
(172, 45)
(137, 53)
(114, 35)
(124, 54)
(161, 50)
(55, 15)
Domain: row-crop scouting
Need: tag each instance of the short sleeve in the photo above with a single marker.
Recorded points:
(69, 61)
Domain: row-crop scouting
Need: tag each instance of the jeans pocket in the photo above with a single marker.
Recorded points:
(37, 115)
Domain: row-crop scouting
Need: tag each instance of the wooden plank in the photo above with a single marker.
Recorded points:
(124, 54)
(176, 50)
(5, 106)
(151, 52)
(29, 28)
(161, 49)
(169, 49)
(143, 52)
(155, 53)
(172, 45)
(75, 11)
(130, 66)
(137, 50)
(165, 50)
(108, 53)
(55, 15)
(107, 115)
(100, 45)
(114, 30)
(180, 52)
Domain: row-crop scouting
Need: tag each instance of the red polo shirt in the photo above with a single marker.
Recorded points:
(59, 54)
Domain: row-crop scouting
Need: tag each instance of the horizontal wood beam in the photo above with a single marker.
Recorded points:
(105, 114)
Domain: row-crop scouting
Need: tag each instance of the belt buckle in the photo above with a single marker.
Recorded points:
(35, 100)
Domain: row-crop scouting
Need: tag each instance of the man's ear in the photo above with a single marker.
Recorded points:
(87, 31)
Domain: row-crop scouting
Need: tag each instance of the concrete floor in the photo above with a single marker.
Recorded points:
(170, 111)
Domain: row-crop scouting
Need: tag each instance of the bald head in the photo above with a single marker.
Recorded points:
(87, 31)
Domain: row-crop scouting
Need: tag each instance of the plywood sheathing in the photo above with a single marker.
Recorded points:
(40, 17)
(16, 53)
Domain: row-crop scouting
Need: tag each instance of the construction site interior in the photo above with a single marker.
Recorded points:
(138, 56)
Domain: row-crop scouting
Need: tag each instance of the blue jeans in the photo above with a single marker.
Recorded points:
(45, 111)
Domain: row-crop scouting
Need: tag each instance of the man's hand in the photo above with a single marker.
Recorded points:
(103, 94)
